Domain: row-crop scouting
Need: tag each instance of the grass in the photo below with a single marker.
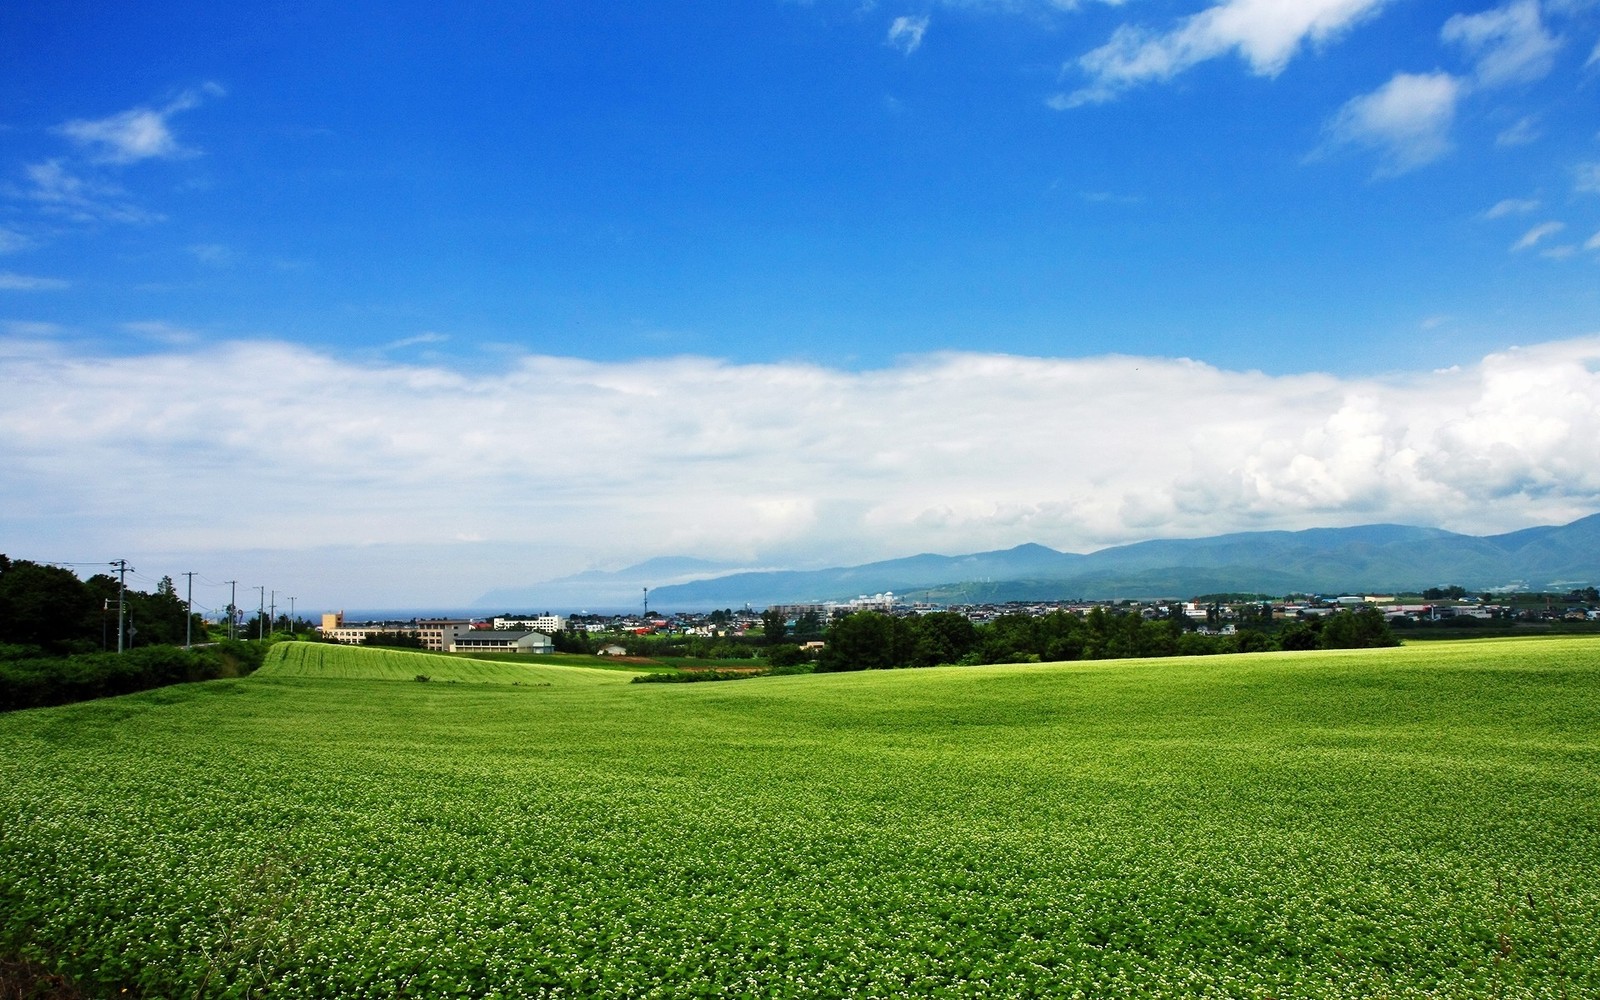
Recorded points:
(330, 662)
(1418, 822)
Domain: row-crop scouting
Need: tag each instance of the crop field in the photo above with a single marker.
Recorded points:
(326, 661)
(1401, 823)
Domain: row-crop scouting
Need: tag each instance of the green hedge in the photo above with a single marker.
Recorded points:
(36, 681)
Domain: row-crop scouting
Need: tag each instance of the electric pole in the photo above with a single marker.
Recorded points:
(122, 589)
(261, 612)
(233, 611)
(274, 618)
(291, 618)
(188, 619)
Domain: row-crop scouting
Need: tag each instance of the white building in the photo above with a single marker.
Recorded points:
(547, 624)
(501, 640)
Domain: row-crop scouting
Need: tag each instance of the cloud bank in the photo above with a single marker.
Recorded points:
(559, 464)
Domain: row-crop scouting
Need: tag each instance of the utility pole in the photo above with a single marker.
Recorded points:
(261, 612)
(647, 602)
(291, 618)
(274, 618)
(122, 590)
(233, 611)
(188, 619)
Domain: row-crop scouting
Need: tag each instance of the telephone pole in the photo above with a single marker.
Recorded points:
(188, 618)
(261, 612)
(291, 618)
(122, 590)
(274, 617)
(233, 611)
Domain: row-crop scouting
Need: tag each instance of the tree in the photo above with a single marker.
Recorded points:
(774, 626)
(808, 625)
(860, 641)
(940, 637)
(48, 607)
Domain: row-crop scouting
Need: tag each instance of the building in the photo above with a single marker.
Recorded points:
(437, 633)
(336, 629)
(500, 640)
(548, 624)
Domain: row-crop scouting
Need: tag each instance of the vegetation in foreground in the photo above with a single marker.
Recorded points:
(1413, 822)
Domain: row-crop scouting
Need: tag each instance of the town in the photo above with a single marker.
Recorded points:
(806, 624)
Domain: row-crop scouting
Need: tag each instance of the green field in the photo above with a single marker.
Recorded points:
(1413, 822)
(329, 662)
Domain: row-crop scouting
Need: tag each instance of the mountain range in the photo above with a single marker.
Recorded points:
(1365, 559)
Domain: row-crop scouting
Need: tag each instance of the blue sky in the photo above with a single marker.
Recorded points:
(763, 275)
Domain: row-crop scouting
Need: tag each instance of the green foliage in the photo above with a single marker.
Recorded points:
(774, 627)
(868, 640)
(786, 655)
(393, 640)
(31, 682)
(50, 608)
(1407, 823)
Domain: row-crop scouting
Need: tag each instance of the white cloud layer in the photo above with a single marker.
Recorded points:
(355, 478)
(1407, 120)
(1265, 33)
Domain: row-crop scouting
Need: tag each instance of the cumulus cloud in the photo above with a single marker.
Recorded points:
(608, 463)
(1267, 34)
(1508, 44)
(1407, 120)
(905, 33)
(140, 133)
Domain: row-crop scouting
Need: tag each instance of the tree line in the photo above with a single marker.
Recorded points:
(869, 640)
(48, 608)
(57, 634)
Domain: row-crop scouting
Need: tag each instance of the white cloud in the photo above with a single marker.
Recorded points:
(563, 464)
(1524, 132)
(906, 33)
(12, 282)
(1511, 206)
(212, 254)
(1407, 120)
(1586, 178)
(1594, 57)
(1509, 44)
(1532, 237)
(428, 337)
(12, 241)
(1593, 242)
(1265, 33)
(60, 191)
(161, 332)
(136, 134)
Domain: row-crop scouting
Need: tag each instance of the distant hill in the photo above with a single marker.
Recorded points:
(1370, 558)
(599, 589)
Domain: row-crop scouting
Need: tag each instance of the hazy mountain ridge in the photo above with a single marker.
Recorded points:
(1367, 558)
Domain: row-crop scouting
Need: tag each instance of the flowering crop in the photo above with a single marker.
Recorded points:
(1419, 822)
